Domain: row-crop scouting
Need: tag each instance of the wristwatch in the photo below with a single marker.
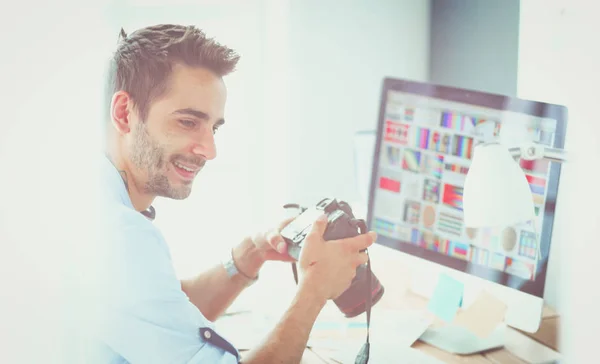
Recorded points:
(232, 269)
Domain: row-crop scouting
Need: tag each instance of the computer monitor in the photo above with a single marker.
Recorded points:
(425, 140)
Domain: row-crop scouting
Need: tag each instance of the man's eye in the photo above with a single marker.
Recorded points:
(187, 123)
(215, 129)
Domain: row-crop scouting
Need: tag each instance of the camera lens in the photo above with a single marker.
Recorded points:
(353, 301)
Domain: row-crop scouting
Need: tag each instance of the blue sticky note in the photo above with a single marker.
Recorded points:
(447, 298)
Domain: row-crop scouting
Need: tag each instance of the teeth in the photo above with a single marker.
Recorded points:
(184, 167)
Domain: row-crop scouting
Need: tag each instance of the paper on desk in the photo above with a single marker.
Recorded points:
(447, 298)
(378, 353)
(483, 316)
(335, 334)
(385, 353)
(400, 327)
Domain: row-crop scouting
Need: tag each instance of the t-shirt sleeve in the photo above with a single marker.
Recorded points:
(143, 314)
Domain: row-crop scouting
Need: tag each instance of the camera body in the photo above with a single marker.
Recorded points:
(341, 224)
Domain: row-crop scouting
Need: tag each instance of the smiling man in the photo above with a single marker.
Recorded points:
(167, 100)
(172, 137)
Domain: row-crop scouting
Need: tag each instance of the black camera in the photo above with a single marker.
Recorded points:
(341, 224)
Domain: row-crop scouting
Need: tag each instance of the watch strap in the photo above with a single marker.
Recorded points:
(232, 269)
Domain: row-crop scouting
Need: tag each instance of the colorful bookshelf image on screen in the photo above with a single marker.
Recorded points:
(430, 149)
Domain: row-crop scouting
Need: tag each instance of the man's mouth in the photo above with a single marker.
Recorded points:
(187, 168)
(186, 171)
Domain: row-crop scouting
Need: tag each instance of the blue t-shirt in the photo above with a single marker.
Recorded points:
(138, 311)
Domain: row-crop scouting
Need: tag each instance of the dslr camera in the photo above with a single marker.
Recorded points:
(365, 289)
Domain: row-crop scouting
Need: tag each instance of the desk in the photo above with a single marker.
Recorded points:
(519, 344)
(394, 275)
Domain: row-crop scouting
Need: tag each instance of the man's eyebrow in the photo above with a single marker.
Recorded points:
(197, 114)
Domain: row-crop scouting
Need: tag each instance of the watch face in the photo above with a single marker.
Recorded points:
(230, 268)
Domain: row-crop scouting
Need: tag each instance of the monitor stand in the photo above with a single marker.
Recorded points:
(458, 340)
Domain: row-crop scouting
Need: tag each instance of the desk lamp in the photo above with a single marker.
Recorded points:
(496, 191)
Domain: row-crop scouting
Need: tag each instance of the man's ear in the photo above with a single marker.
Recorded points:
(120, 107)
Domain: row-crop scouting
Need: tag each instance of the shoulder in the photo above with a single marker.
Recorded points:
(131, 259)
(127, 234)
(121, 226)
(118, 216)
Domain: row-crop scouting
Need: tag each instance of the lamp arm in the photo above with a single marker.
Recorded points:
(537, 151)
(555, 154)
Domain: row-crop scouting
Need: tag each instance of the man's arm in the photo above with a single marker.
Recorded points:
(287, 341)
(213, 291)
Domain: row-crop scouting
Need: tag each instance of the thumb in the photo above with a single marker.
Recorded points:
(319, 226)
(285, 222)
(313, 241)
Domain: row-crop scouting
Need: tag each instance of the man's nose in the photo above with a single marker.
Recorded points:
(206, 146)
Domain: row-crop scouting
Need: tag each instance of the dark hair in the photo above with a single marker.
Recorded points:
(142, 63)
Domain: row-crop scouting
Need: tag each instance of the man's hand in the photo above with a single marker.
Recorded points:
(328, 267)
(271, 244)
(213, 291)
(254, 251)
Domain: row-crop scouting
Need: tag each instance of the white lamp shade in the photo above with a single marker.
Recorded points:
(496, 192)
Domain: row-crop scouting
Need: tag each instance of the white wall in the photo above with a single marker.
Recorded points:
(541, 41)
(50, 73)
(339, 55)
(559, 61)
(542, 38)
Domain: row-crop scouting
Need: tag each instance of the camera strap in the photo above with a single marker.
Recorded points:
(363, 355)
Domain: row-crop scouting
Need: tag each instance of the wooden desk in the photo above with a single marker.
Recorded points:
(546, 338)
(395, 275)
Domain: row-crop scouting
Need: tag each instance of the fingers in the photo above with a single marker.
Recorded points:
(285, 222)
(362, 241)
(275, 240)
(273, 255)
(361, 258)
(318, 228)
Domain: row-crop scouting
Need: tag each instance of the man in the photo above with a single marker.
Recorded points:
(167, 102)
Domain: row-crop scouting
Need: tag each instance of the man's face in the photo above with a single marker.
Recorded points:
(168, 149)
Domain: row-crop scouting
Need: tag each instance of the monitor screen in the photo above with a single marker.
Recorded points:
(425, 141)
